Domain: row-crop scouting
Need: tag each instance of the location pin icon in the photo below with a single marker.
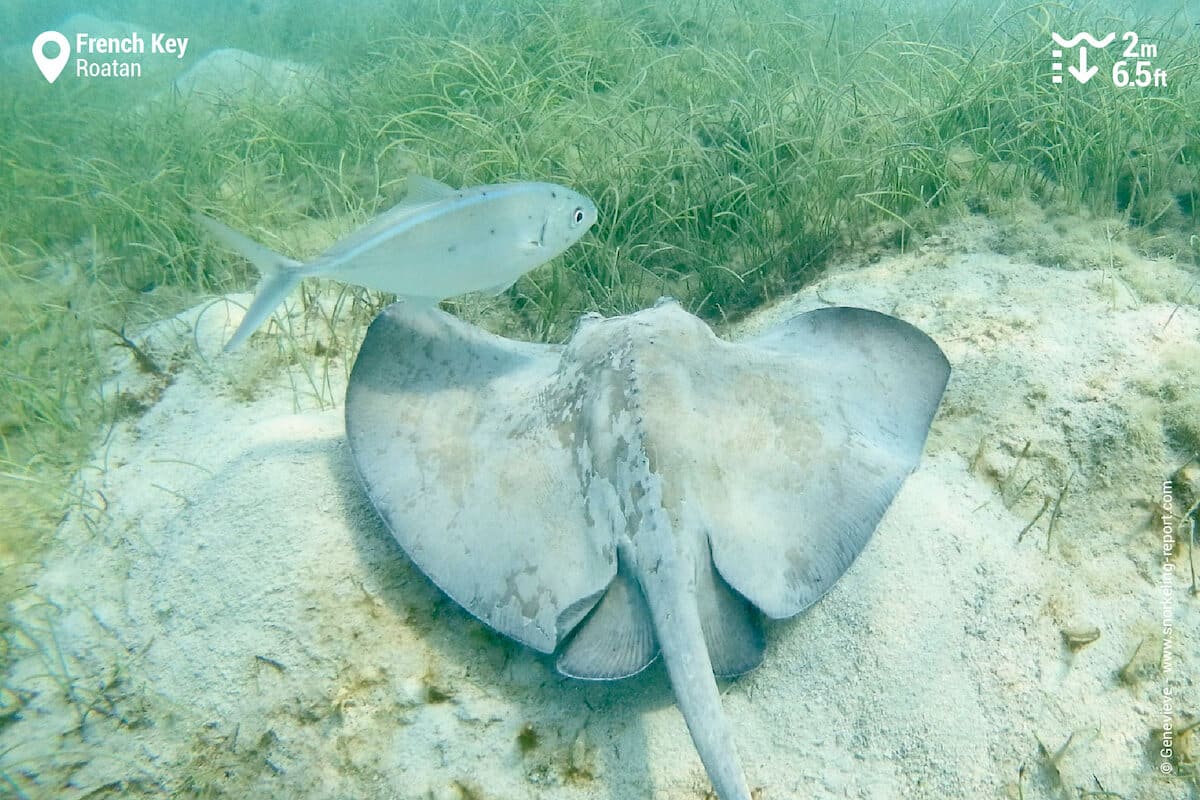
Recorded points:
(51, 67)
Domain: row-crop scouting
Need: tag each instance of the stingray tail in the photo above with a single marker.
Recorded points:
(681, 639)
(280, 275)
(671, 595)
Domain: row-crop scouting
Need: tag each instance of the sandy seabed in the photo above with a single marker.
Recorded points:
(225, 615)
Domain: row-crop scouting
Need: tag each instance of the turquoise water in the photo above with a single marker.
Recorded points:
(734, 155)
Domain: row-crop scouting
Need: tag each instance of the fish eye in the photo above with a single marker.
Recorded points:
(577, 216)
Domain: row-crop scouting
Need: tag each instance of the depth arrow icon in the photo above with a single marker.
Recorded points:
(1083, 73)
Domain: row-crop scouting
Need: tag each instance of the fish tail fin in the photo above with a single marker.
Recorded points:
(272, 292)
(280, 275)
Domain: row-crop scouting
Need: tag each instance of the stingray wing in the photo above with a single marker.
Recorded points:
(470, 473)
(787, 448)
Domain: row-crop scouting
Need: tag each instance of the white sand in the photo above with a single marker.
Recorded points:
(226, 74)
(238, 620)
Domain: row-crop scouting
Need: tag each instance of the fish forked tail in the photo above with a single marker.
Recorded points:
(280, 275)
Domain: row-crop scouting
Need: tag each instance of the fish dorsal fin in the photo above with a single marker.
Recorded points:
(422, 193)
(423, 190)
(499, 288)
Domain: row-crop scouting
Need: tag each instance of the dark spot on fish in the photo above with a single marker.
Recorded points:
(554, 194)
(492, 231)
(451, 248)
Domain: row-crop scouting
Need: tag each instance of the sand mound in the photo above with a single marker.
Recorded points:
(229, 74)
(223, 613)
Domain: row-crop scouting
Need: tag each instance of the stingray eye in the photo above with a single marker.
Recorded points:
(577, 216)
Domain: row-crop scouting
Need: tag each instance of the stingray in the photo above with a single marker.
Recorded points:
(646, 488)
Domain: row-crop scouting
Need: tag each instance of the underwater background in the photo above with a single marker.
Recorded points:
(738, 153)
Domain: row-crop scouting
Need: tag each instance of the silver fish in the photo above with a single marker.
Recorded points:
(438, 242)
